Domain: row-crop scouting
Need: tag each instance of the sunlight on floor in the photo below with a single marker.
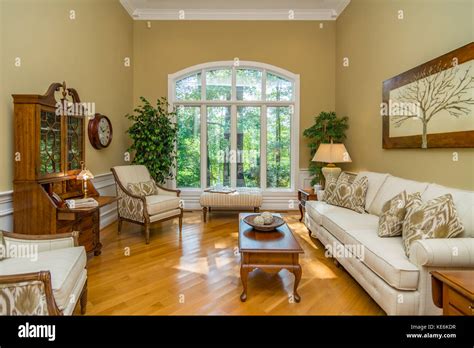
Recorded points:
(316, 269)
(196, 265)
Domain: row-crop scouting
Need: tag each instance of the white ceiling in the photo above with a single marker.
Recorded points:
(234, 9)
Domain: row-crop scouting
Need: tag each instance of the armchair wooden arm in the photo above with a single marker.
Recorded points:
(178, 192)
(43, 277)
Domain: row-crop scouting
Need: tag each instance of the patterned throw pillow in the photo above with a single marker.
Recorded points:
(332, 183)
(394, 212)
(436, 218)
(147, 188)
(350, 195)
(329, 188)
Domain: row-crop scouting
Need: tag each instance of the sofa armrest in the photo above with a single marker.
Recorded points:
(443, 252)
(38, 284)
(44, 242)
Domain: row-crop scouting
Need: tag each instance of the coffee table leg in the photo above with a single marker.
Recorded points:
(244, 272)
(297, 272)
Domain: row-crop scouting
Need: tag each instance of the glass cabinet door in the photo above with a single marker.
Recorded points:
(75, 138)
(50, 143)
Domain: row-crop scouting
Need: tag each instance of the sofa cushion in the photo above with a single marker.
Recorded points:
(316, 209)
(391, 187)
(161, 203)
(394, 212)
(65, 265)
(376, 181)
(384, 256)
(463, 201)
(436, 218)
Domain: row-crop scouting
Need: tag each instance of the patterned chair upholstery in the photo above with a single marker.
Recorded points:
(141, 209)
(42, 274)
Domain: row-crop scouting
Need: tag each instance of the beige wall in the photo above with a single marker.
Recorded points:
(300, 47)
(380, 46)
(87, 53)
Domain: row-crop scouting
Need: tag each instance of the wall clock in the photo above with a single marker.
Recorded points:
(100, 131)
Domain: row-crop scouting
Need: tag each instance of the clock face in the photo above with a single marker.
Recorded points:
(104, 131)
(100, 131)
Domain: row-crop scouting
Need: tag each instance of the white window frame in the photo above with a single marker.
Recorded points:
(233, 103)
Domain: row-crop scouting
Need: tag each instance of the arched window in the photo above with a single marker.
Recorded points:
(237, 125)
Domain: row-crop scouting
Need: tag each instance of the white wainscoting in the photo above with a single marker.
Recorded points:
(104, 183)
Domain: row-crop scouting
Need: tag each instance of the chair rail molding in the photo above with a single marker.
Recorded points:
(104, 183)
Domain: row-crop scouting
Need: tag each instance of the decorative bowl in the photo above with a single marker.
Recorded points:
(277, 222)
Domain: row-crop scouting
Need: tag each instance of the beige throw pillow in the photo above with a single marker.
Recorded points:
(329, 189)
(332, 183)
(350, 195)
(147, 188)
(436, 218)
(394, 212)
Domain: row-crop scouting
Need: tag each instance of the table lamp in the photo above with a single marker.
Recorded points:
(330, 154)
(84, 175)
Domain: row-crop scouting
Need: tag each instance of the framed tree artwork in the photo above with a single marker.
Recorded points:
(431, 106)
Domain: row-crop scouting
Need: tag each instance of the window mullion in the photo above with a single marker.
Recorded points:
(233, 146)
(263, 147)
(203, 146)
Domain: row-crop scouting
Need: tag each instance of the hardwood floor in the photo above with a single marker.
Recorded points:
(198, 273)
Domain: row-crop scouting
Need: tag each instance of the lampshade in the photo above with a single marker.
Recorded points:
(332, 153)
(85, 173)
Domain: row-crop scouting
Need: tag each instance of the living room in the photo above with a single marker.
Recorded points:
(253, 158)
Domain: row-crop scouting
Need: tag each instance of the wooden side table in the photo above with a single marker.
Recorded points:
(453, 291)
(303, 196)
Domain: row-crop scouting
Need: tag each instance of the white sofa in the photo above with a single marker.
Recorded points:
(400, 285)
(44, 275)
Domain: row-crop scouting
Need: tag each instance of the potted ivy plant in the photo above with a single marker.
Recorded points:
(153, 135)
(327, 126)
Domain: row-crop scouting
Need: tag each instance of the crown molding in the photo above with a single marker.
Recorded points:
(342, 6)
(128, 7)
(234, 14)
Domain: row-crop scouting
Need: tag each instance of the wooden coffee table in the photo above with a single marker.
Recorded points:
(269, 251)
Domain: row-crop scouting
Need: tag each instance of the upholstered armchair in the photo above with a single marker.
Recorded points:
(155, 204)
(42, 274)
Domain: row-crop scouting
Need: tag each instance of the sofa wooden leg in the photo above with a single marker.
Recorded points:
(338, 265)
(147, 233)
(119, 225)
(83, 299)
(204, 213)
(256, 209)
(181, 222)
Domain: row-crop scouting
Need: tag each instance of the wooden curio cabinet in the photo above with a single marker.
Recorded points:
(49, 142)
